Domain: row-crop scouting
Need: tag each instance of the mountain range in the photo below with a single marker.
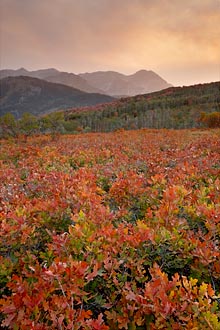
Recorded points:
(104, 82)
(47, 90)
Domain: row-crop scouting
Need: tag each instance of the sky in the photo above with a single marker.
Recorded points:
(179, 40)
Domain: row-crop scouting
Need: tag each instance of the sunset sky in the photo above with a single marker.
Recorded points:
(180, 40)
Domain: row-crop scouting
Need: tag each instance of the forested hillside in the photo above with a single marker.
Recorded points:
(175, 107)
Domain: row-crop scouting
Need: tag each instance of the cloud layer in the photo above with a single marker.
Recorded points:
(178, 39)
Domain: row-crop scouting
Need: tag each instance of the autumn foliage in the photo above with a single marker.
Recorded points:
(111, 231)
(211, 120)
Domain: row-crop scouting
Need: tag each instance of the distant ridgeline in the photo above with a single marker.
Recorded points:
(175, 107)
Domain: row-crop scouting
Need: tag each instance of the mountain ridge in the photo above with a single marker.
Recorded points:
(141, 82)
(37, 96)
(53, 75)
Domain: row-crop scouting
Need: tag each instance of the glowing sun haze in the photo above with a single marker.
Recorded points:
(180, 40)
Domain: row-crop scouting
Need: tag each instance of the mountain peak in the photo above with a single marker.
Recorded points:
(21, 69)
(142, 71)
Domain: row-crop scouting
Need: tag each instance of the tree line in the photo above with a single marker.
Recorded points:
(61, 123)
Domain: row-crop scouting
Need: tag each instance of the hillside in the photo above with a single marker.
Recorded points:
(175, 107)
(117, 84)
(26, 94)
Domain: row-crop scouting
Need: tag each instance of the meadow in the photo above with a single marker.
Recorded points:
(109, 231)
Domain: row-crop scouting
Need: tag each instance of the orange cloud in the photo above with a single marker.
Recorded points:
(168, 36)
